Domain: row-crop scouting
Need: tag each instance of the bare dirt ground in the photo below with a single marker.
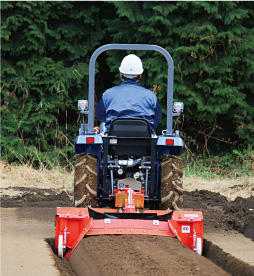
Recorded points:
(23, 249)
(27, 218)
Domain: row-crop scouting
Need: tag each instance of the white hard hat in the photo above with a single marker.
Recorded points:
(131, 65)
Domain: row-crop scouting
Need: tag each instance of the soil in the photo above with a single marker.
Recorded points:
(221, 214)
(114, 255)
(24, 250)
(35, 197)
(138, 255)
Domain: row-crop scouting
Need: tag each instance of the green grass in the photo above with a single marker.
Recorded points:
(227, 165)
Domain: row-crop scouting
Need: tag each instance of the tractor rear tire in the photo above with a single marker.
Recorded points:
(171, 175)
(85, 180)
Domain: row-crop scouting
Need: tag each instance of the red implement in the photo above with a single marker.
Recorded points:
(73, 224)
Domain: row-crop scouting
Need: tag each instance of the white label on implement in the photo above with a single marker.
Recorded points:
(186, 229)
(106, 220)
(191, 215)
(156, 222)
(112, 141)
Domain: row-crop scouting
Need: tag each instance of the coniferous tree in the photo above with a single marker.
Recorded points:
(212, 47)
(45, 55)
(46, 47)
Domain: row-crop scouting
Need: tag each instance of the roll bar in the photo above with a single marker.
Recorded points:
(145, 47)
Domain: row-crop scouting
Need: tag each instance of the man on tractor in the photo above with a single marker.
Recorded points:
(129, 154)
(129, 99)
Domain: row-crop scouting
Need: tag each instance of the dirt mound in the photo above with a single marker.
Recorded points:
(138, 255)
(34, 197)
(221, 214)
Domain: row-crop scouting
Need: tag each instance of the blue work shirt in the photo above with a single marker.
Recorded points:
(129, 100)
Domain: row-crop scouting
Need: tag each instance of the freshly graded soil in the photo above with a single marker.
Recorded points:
(23, 249)
(138, 255)
(118, 255)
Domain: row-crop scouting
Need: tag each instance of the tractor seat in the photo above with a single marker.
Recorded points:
(133, 137)
(130, 127)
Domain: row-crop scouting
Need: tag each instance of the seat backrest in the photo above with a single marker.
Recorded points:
(130, 127)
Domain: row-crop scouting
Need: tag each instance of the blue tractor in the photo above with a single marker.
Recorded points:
(129, 156)
(127, 181)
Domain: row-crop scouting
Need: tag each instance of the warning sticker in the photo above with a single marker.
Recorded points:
(185, 229)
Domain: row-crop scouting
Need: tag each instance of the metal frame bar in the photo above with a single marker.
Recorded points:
(152, 192)
(105, 186)
(144, 47)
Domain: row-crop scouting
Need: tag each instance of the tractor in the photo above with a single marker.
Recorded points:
(127, 180)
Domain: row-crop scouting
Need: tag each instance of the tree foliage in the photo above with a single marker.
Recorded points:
(212, 47)
(45, 55)
(46, 48)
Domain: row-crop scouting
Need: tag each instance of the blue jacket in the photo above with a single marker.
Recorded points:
(129, 100)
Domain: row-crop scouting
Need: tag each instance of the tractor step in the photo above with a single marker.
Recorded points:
(73, 224)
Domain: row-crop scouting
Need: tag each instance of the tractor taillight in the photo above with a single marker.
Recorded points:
(170, 142)
(90, 140)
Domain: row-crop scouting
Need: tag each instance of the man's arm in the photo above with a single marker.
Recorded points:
(100, 111)
(158, 114)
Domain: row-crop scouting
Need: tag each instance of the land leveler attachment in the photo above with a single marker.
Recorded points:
(73, 224)
(129, 173)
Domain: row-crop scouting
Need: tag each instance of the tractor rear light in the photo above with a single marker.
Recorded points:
(90, 140)
(170, 142)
